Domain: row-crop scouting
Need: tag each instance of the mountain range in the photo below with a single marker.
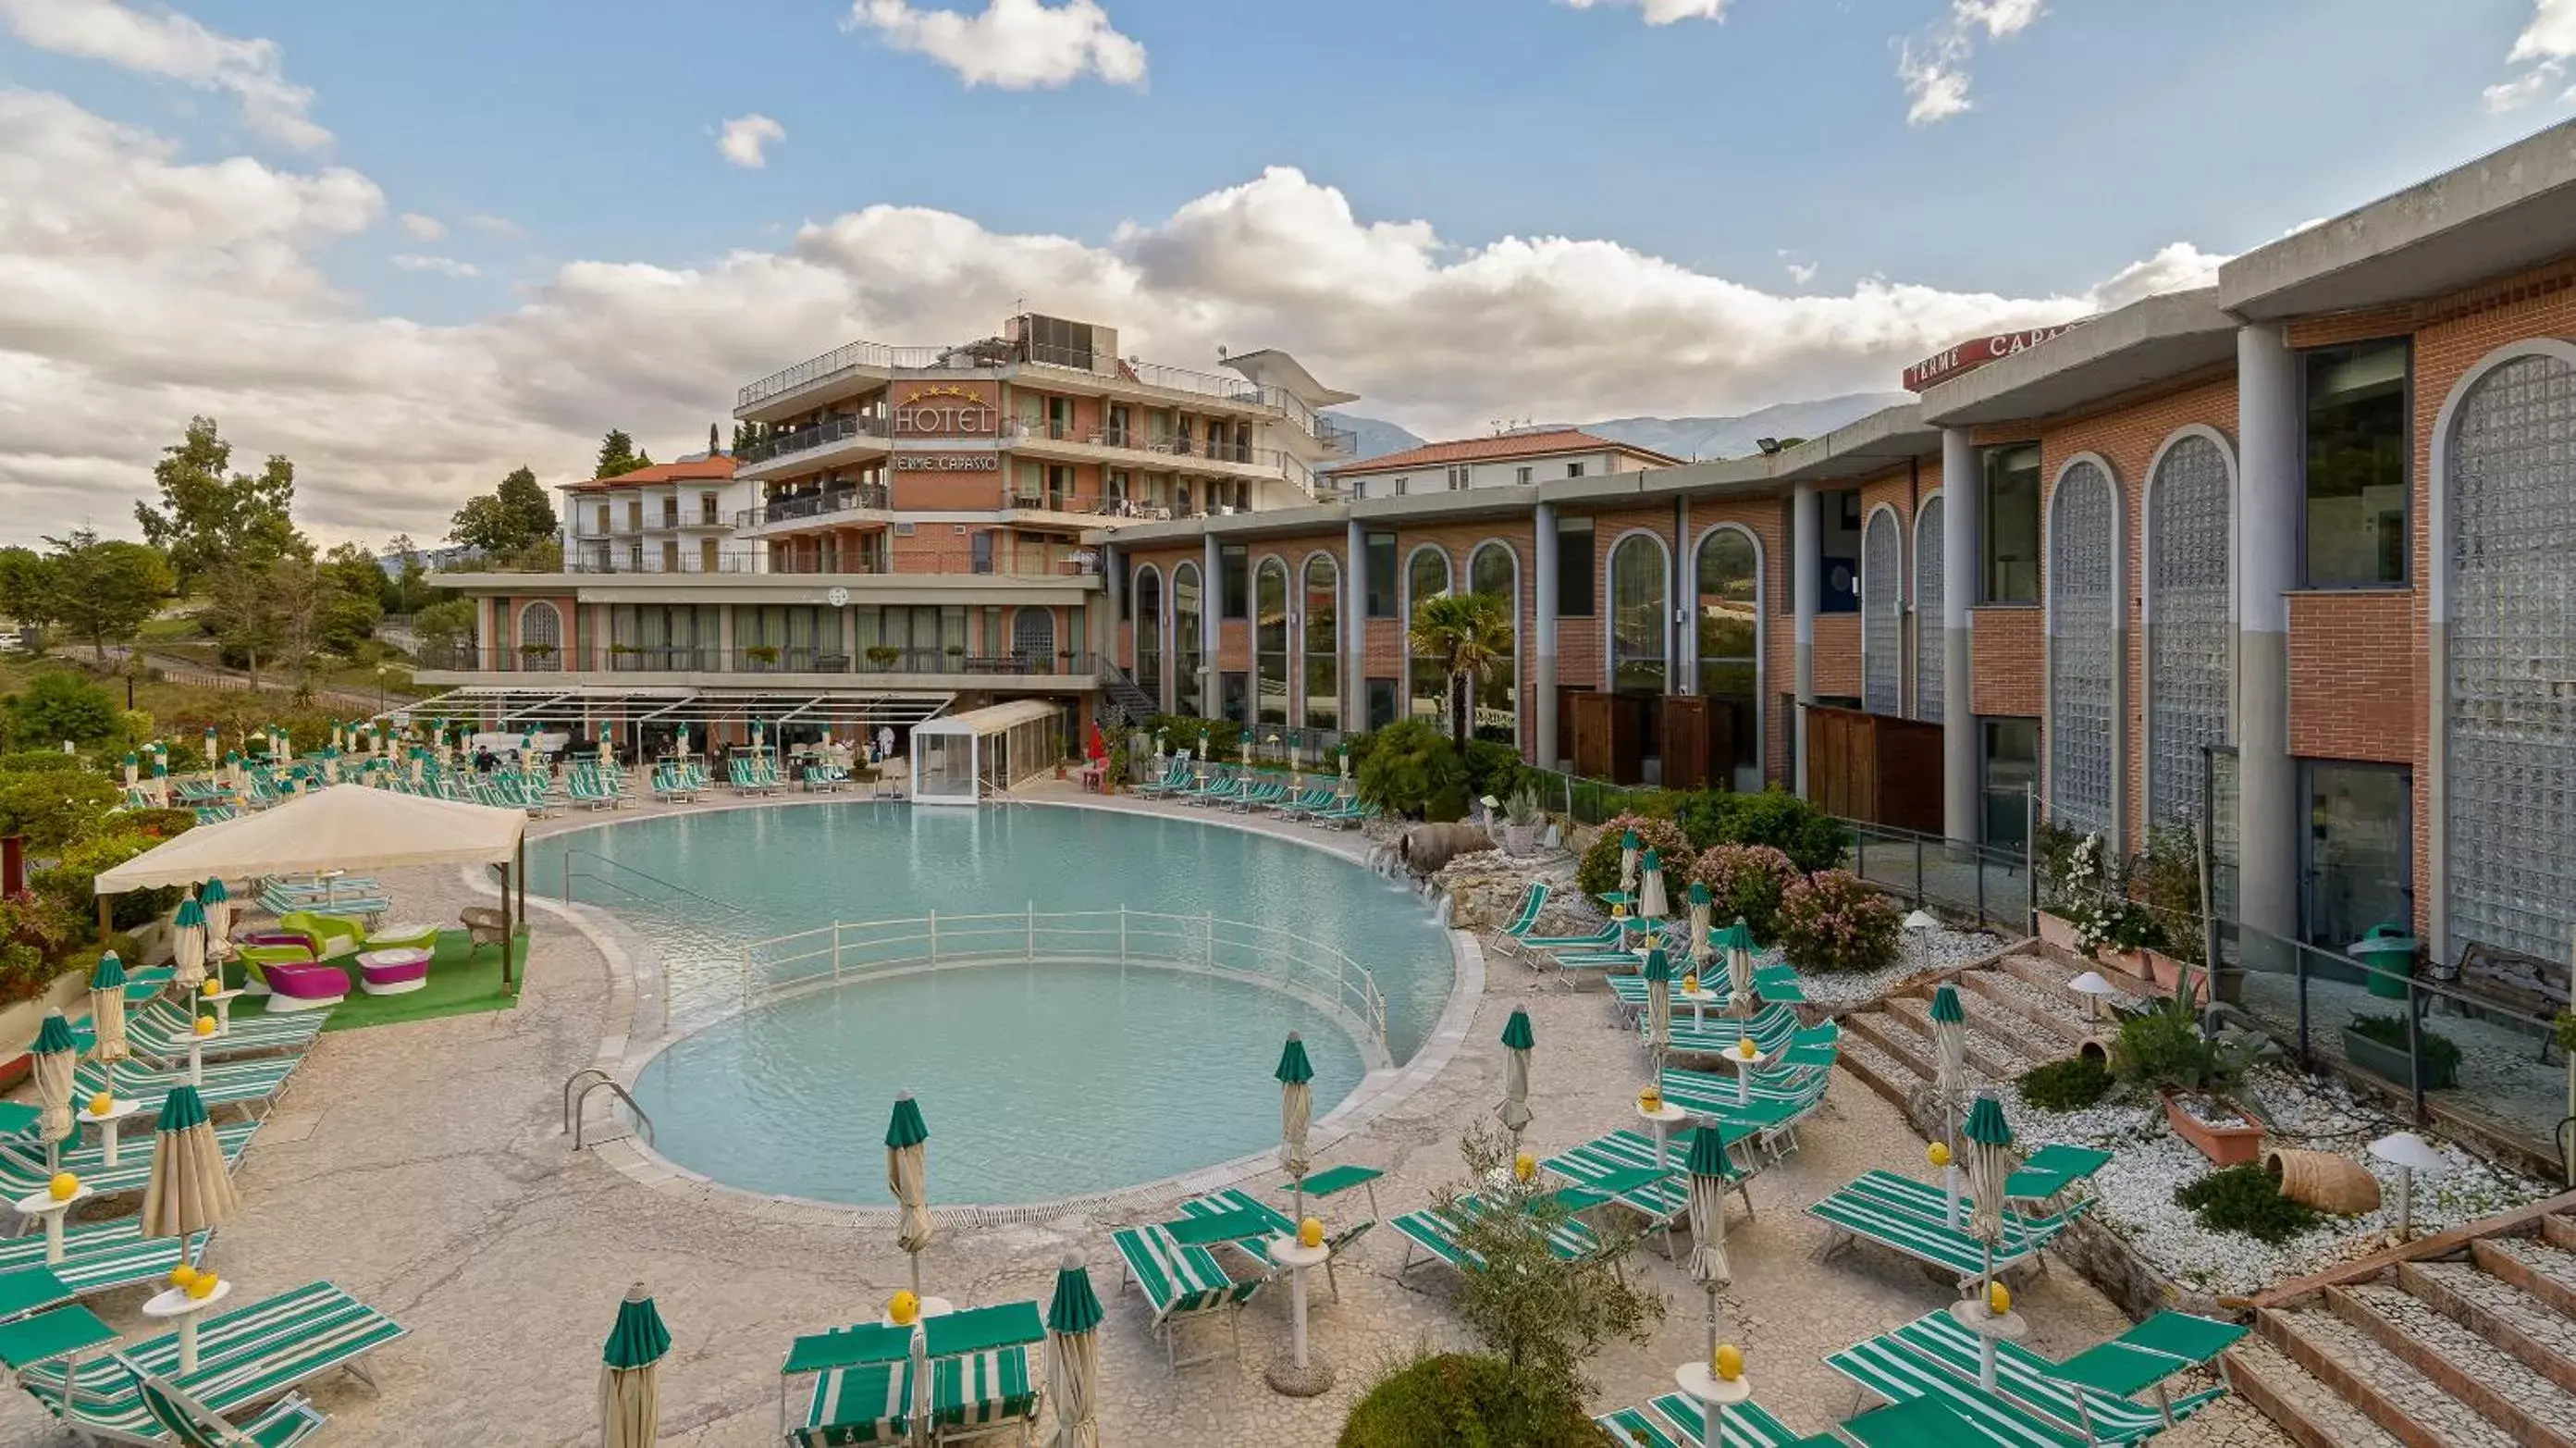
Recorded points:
(1681, 437)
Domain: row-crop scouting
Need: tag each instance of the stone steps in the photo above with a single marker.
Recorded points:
(2044, 1015)
(2539, 1336)
(2548, 1273)
(1989, 1057)
(2465, 1365)
(2311, 1413)
(1894, 1037)
(1877, 1070)
(2355, 1366)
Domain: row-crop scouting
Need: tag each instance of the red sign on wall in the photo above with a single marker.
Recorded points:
(1970, 355)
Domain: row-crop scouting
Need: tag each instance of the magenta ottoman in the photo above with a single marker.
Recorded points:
(305, 987)
(392, 972)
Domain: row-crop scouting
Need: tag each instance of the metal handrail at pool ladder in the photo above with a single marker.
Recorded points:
(573, 1105)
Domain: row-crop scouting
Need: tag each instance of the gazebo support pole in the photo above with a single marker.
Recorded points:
(105, 913)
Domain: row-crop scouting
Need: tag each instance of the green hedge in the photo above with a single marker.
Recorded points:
(1464, 1400)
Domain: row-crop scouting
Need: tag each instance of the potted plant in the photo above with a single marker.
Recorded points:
(1117, 770)
(763, 655)
(2377, 1044)
(536, 655)
(883, 655)
(2162, 1048)
(1522, 822)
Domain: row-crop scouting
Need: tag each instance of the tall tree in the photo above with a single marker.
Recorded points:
(748, 434)
(409, 590)
(356, 604)
(713, 447)
(275, 613)
(619, 456)
(103, 590)
(1468, 635)
(209, 515)
(507, 521)
(26, 593)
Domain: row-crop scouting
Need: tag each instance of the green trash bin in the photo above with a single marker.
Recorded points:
(2390, 953)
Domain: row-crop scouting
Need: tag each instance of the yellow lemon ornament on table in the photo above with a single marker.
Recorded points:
(905, 1309)
(1650, 1100)
(1727, 1363)
(182, 1275)
(202, 1286)
(1525, 1167)
(205, 1025)
(102, 1103)
(1938, 1153)
(213, 986)
(1998, 1298)
(1310, 1233)
(1690, 985)
(63, 1187)
(1745, 1048)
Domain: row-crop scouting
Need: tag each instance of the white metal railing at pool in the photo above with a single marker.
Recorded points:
(847, 951)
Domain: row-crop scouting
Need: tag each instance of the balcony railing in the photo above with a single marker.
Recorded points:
(831, 430)
(974, 356)
(753, 659)
(845, 499)
(757, 560)
(1137, 441)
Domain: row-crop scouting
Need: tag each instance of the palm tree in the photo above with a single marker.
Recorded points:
(1468, 634)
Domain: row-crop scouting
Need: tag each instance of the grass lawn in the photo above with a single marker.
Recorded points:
(461, 982)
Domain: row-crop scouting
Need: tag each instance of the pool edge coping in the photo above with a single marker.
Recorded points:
(635, 980)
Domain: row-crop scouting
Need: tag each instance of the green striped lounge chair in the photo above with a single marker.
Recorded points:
(1175, 777)
(247, 1356)
(1219, 788)
(1622, 1165)
(670, 783)
(252, 1085)
(191, 1424)
(1261, 795)
(1308, 804)
(1348, 816)
(1907, 1217)
(98, 1257)
(162, 1029)
(863, 1387)
(1673, 1421)
(980, 1385)
(2102, 1416)
(1772, 1027)
(1768, 1115)
(1898, 1376)
(23, 1171)
(2049, 1175)
(1525, 919)
(1182, 1284)
(1434, 1231)
(1274, 1225)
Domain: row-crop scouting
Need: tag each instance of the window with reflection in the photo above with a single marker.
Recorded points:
(1189, 686)
(1729, 611)
(1149, 633)
(1426, 575)
(1321, 621)
(2010, 546)
(1638, 664)
(2356, 464)
(1270, 642)
(1492, 571)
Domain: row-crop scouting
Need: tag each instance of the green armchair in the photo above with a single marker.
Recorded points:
(331, 936)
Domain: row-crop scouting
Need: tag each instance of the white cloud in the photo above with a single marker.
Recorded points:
(1800, 272)
(1665, 12)
(745, 135)
(2179, 267)
(443, 265)
(137, 288)
(499, 228)
(2544, 46)
(422, 228)
(1013, 44)
(174, 46)
(1933, 67)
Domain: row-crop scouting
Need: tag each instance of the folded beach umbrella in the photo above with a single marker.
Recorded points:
(218, 904)
(189, 1191)
(55, 1055)
(908, 1178)
(188, 944)
(1651, 901)
(1989, 1168)
(1708, 1266)
(1700, 948)
(1073, 1356)
(1517, 1043)
(1659, 1007)
(1628, 847)
(1950, 1054)
(107, 1013)
(1737, 941)
(1296, 1111)
(630, 1397)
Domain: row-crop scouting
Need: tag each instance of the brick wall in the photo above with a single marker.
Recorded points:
(2010, 673)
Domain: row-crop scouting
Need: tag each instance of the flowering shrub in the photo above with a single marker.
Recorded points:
(1746, 880)
(1599, 872)
(2090, 902)
(1832, 921)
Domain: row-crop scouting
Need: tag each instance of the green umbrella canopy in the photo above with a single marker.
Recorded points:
(1986, 1124)
(181, 1109)
(1293, 1065)
(214, 893)
(1076, 1307)
(1708, 1152)
(191, 916)
(1738, 936)
(907, 1127)
(1516, 1031)
(56, 1035)
(1945, 1006)
(1699, 892)
(110, 973)
(1652, 861)
(1658, 966)
(639, 1339)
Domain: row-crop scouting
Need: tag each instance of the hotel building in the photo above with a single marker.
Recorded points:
(2308, 535)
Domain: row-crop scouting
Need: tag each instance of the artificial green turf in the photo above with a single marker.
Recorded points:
(461, 982)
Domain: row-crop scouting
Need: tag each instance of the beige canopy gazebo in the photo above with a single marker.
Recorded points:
(343, 827)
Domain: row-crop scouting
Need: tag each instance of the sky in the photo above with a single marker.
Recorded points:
(415, 247)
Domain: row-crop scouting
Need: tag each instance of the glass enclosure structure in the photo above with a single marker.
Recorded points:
(964, 757)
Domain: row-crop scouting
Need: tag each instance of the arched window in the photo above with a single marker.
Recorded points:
(1492, 570)
(1929, 677)
(1270, 642)
(1730, 646)
(2083, 598)
(2187, 590)
(1033, 636)
(1426, 575)
(1189, 686)
(2509, 470)
(1149, 635)
(541, 637)
(1320, 620)
(1882, 615)
(1638, 663)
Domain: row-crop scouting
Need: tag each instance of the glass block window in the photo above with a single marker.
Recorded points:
(2187, 624)
(1882, 615)
(2083, 594)
(2512, 760)
(1929, 687)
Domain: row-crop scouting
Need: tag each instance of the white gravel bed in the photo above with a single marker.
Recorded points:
(2150, 1163)
(1934, 949)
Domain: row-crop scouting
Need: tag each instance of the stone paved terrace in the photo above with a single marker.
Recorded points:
(423, 1168)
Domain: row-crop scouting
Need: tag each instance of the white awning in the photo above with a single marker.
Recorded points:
(993, 718)
(343, 827)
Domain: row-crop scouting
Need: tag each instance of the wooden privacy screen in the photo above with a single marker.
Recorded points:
(1875, 768)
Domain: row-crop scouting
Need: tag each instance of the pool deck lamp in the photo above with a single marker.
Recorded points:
(2410, 1154)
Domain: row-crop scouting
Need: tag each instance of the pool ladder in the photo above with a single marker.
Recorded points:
(589, 1079)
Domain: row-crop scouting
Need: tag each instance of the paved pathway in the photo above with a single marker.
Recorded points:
(423, 1168)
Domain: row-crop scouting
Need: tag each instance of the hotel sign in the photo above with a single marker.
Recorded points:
(948, 462)
(948, 409)
(1970, 355)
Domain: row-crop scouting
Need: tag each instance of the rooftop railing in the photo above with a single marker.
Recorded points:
(805, 439)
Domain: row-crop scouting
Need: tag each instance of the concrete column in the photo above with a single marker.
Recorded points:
(486, 638)
(1806, 591)
(1679, 619)
(1210, 705)
(1543, 641)
(1961, 530)
(2267, 567)
(724, 641)
(1354, 628)
(1103, 642)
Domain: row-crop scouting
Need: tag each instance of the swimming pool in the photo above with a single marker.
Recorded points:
(1058, 1049)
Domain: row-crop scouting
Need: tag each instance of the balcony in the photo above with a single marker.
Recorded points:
(857, 497)
(847, 427)
(754, 561)
(1133, 443)
(879, 661)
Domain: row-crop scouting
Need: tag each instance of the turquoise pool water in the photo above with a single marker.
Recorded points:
(1059, 1079)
